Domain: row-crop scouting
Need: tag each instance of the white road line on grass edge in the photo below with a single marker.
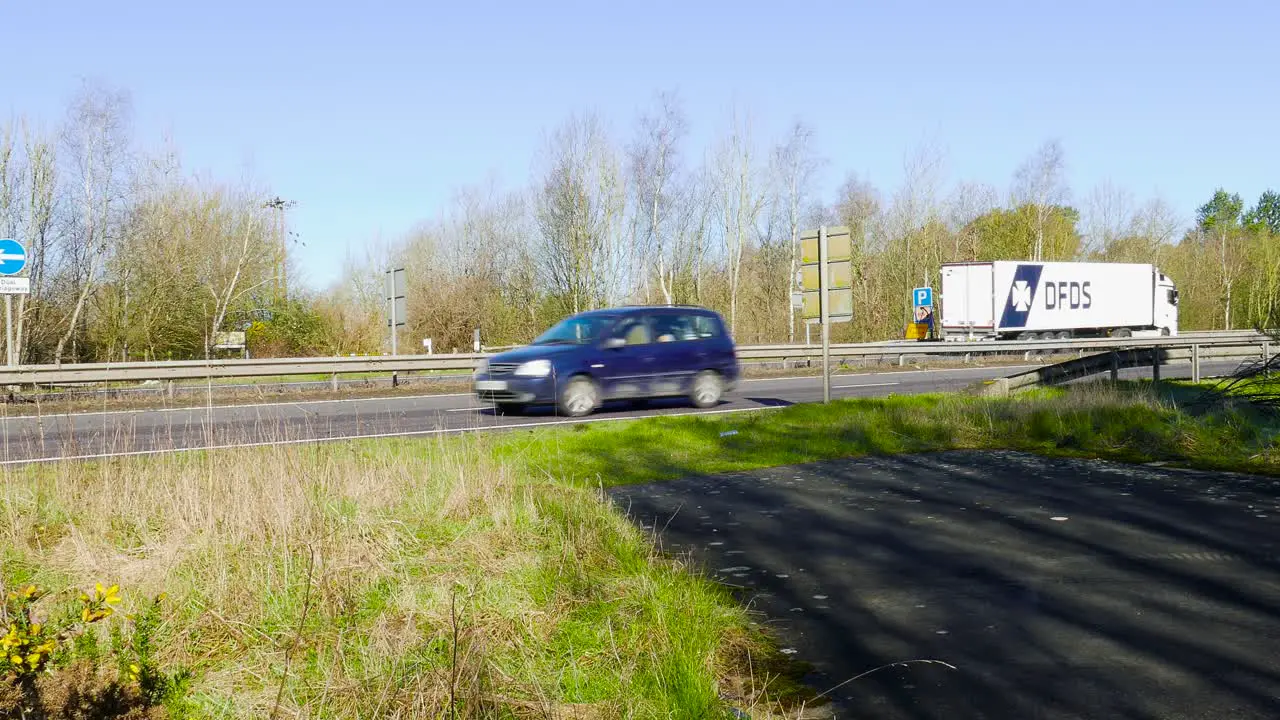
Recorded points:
(376, 436)
(890, 372)
(202, 408)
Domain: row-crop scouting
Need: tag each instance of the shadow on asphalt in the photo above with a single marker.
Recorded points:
(1057, 588)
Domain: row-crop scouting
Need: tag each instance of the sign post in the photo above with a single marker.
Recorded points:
(395, 312)
(394, 294)
(13, 258)
(826, 278)
(922, 314)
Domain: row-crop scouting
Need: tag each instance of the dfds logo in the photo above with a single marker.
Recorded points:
(1073, 295)
(1064, 295)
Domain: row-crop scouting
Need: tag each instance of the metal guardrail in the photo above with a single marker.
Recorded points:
(1114, 360)
(170, 370)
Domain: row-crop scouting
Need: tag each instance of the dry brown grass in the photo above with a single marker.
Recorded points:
(388, 581)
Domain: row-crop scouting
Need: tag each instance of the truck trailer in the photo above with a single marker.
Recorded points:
(1016, 300)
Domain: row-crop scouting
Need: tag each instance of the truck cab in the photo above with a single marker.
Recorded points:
(1166, 305)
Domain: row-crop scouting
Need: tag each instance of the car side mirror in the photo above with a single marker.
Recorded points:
(614, 343)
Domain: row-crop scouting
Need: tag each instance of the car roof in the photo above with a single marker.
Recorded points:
(668, 308)
(626, 310)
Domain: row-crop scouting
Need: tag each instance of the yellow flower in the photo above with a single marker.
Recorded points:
(29, 592)
(85, 614)
(15, 659)
(135, 669)
(85, 598)
(33, 659)
(110, 596)
(35, 628)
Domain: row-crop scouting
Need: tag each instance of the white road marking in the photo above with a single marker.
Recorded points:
(376, 436)
(845, 387)
(465, 409)
(891, 372)
(193, 408)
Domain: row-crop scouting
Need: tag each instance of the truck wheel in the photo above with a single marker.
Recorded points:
(1122, 333)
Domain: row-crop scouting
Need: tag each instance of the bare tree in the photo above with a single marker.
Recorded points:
(1109, 216)
(967, 203)
(1039, 183)
(97, 144)
(28, 181)
(654, 159)
(579, 212)
(235, 246)
(740, 199)
(795, 165)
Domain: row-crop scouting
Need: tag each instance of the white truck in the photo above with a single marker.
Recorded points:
(1017, 300)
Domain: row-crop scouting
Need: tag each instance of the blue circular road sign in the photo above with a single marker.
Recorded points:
(13, 257)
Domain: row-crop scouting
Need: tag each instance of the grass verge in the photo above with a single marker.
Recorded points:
(485, 576)
(1128, 423)
(341, 581)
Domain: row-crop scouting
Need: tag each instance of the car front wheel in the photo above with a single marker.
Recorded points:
(579, 397)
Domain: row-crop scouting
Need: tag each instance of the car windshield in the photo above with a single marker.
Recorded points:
(577, 330)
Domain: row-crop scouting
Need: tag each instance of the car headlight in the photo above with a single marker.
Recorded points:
(534, 368)
(481, 368)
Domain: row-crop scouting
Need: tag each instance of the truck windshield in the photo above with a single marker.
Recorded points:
(577, 330)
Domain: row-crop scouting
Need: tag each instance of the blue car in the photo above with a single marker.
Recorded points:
(632, 353)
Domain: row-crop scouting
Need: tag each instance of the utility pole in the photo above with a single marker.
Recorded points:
(279, 205)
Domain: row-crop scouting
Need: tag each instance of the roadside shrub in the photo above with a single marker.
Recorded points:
(54, 666)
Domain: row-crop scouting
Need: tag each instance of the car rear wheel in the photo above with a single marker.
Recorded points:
(579, 397)
(708, 388)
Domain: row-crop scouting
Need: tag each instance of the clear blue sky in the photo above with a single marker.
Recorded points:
(370, 114)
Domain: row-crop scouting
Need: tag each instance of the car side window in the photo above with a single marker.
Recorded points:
(674, 328)
(635, 331)
(705, 326)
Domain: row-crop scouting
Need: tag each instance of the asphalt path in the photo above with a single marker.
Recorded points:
(85, 435)
(1007, 585)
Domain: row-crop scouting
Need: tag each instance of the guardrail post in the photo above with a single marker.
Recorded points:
(1195, 363)
(169, 388)
(333, 382)
(1266, 358)
(902, 361)
(1155, 365)
(1115, 367)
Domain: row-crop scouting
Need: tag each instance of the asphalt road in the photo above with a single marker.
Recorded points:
(123, 432)
(1051, 589)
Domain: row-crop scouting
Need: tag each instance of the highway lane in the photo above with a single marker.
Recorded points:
(125, 432)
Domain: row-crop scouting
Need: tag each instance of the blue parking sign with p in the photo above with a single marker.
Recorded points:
(922, 297)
